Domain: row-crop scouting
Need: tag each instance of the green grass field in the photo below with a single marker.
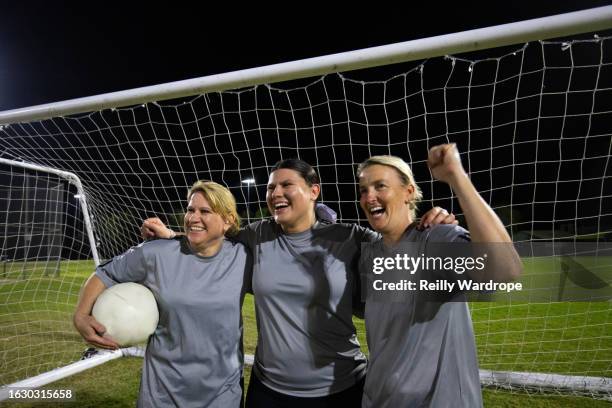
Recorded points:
(36, 335)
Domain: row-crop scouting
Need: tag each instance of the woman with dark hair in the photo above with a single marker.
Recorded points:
(305, 284)
(305, 287)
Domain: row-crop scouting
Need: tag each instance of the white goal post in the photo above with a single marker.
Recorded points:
(82, 198)
(35, 202)
(534, 126)
(591, 20)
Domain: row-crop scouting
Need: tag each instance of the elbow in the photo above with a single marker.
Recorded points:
(514, 270)
(505, 264)
(515, 274)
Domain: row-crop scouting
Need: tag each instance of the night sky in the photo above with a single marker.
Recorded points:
(53, 51)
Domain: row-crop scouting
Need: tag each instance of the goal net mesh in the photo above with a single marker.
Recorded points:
(533, 125)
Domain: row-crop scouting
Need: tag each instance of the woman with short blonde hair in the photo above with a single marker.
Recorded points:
(221, 201)
(422, 349)
(199, 280)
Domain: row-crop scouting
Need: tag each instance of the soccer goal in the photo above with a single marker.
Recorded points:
(531, 115)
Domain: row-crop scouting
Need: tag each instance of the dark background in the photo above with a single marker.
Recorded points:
(53, 51)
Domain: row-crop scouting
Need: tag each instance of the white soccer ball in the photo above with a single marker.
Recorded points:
(128, 311)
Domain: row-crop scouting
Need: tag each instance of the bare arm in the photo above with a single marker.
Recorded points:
(89, 328)
(484, 225)
(155, 228)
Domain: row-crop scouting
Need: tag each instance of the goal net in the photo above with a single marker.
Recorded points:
(533, 124)
(43, 247)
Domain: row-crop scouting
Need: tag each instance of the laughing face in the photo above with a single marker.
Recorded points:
(291, 200)
(204, 228)
(385, 199)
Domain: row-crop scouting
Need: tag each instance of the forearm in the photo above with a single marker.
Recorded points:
(503, 262)
(482, 222)
(90, 292)
(88, 327)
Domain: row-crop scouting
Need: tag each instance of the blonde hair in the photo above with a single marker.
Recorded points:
(403, 170)
(221, 201)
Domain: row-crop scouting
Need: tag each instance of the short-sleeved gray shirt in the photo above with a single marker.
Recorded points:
(304, 286)
(194, 358)
(422, 352)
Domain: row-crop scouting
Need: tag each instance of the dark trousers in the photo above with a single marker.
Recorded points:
(260, 396)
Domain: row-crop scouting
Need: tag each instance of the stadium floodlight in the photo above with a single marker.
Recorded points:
(249, 182)
(533, 125)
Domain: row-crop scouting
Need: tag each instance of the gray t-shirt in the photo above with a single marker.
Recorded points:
(422, 352)
(305, 285)
(194, 358)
